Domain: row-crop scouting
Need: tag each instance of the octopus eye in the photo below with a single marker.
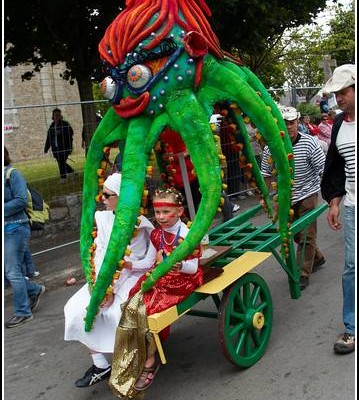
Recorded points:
(108, 88)
(138, 76)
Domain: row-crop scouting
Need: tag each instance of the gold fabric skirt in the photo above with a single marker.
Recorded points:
(133, 345)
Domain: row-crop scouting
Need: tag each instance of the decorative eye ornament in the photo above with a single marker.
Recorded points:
(110, 90)
(138, 76)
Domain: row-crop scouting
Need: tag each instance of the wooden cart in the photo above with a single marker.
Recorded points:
(242, 298)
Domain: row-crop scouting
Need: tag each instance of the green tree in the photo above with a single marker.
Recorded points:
(300, 59)
(253, 29)
(41, 31)
(302, 50)
(340, 43)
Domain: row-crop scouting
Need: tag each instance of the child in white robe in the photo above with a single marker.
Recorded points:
(101, 338)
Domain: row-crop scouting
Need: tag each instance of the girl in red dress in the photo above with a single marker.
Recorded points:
(171, 289)
(185, 276)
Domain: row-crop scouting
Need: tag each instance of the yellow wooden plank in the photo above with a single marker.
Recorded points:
(233, 271)
(158, 321)
(160, 348)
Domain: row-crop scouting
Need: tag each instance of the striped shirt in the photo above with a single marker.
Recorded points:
(309, 161)
(345, 144)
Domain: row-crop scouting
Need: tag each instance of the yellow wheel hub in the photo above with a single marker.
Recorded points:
(258, 320)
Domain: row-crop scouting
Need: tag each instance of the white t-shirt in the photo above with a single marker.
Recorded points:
(346, 147)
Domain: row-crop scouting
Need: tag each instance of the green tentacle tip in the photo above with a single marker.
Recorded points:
(147, 284)
(88, 325)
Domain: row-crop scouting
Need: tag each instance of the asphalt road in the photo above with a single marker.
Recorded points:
(299, 363)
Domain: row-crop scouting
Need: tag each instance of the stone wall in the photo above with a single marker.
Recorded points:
(64, 222)
(29, 106)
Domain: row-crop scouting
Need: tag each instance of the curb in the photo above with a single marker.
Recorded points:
(51, 281)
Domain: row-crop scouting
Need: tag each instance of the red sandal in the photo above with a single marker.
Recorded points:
(144, 377)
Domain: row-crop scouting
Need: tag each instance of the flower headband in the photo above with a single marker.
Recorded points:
(163, 193)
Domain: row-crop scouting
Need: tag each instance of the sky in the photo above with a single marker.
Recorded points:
(326, 15)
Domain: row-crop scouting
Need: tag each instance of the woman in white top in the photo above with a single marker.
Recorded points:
(101, 338)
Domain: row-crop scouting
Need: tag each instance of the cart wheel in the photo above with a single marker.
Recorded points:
(245, 320)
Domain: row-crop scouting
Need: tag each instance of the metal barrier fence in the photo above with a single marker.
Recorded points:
(26, 134)
(25, 129)
(238, 186)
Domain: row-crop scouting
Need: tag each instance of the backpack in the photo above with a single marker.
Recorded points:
(37, 210)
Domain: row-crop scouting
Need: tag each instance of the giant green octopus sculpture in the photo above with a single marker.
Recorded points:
(166, 69)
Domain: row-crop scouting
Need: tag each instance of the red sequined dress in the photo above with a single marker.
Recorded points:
(175, 286)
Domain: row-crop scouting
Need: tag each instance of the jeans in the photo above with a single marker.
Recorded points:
(28, 267)
(15, 245)
(348, 277)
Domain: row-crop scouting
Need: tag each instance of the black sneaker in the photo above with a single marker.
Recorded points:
(93, 375)
(35, 300)
(345, 344)
(17, 321)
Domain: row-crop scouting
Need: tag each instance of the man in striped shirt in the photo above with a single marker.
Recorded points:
(309, 162)
(339, 182)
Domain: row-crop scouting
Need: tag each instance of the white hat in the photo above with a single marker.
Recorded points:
(215, 118)
(343, 77)
(113, 182)
(289, 113)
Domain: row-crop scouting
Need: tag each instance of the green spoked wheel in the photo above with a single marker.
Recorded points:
(245, 320)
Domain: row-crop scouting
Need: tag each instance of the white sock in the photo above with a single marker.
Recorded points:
(100, 360)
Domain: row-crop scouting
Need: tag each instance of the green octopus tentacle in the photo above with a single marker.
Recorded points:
(258, 86)
(249, 154)
(241, 93)
(110, 123)
(283, 209)
(135, 159)
(158, 125)
(199, 141)
(116, 134)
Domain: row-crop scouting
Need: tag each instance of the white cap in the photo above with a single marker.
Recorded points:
(289, 113)
(343, 77)
(113, 182)
(214, 118)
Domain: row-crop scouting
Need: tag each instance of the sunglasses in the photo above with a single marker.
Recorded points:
(107, 195)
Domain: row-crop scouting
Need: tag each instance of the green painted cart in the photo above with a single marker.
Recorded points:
(242, 298)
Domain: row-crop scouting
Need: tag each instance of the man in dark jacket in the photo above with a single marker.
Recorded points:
(338, 182)
(59, 138)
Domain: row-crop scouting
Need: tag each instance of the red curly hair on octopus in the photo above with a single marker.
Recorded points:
(132, 26)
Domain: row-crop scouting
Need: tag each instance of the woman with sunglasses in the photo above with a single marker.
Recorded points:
(100, 340)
